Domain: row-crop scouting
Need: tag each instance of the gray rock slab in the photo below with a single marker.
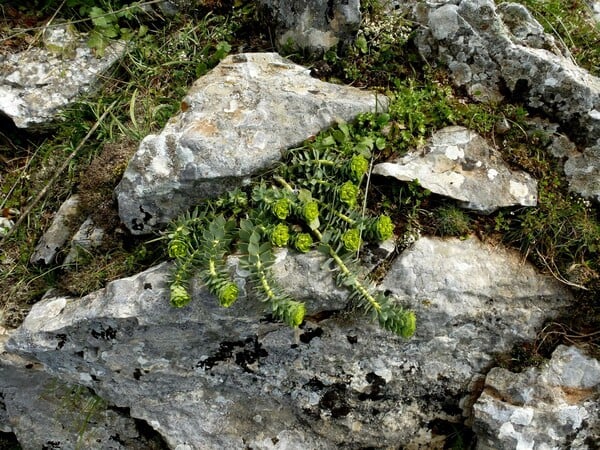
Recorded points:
(313, 26)
(87, 237)
(37, 84)
(460, 164)
(583, 172)
(44, 412)
(60, 230)
(555, 406)
(492, 49)
(208, 377)
(235, 121)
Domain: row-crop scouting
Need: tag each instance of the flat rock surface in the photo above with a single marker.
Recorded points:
(460, 164)
(36, 85)
(235, 121)
(212, 378)
(555, 406)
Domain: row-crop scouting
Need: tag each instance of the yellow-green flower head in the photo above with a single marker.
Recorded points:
(280, 235)
(384, 228)
(177, 248)
(349, 193)
(410, 325)
(295, 314)
(179, 296)
(310, 211)
(358, 166)
(303, 242)
(228, 294)
(281, 208)
(351, 240)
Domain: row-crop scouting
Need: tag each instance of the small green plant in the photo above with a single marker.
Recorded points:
(451, 220)
(313, 201)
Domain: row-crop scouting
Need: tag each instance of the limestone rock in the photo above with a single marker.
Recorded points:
(57, 234)
(552, 407)
(44, 412)
(583, 172)
(88, 237)
(235, 121)
(209, 377)
(314, 26)
(492, 49)
(35, 85)
(460, 164)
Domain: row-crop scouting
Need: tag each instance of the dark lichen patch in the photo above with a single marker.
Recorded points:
(375, 389)
(104, 334)
(310, 334)
(61, 340)
(335, 401)
(245, 354)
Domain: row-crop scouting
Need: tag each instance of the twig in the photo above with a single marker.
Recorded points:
(39, 33)
(557, 274)
(65, 164)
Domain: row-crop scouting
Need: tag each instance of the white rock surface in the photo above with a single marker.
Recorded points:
(313, 26)
(36, 85)
(492, 49)
(552, 407)
(460, 164)
(235, 121)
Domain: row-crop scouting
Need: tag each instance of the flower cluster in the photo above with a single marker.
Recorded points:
(228, 294)
(358, 167)
(349, 193)
(351, 240)
(303, 242)
(281, 208)
(179, 296)
(310, 211)
(383, 228)
(280, 235)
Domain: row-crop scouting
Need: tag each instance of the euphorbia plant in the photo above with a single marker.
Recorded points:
(311, 202)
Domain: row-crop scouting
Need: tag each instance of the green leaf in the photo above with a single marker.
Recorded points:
(100, 18)
(98, 42)
(361, 44)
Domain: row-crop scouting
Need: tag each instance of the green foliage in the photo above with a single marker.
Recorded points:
(381, 50)
(311, 201)
(561, 230)
(451, 220)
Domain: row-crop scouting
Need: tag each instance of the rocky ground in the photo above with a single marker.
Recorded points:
(482, 132)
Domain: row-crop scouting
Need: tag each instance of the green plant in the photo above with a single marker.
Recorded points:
(451, 220)
(311, 201)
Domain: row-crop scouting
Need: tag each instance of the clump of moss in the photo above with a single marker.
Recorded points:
(99, 180)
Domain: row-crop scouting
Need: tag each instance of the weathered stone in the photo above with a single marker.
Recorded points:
(552, 407)
(57, 234)
(492, 50)
(460, 164)
(36, 85)
(44, 412)
(85, 239)
(236, 121)
(314, 26)
(583, 172)
(210, 377)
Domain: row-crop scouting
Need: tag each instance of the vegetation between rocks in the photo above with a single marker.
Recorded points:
(561, 235)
